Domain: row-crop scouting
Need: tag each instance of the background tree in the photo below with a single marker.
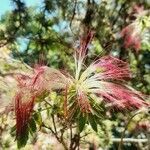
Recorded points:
(46, 34)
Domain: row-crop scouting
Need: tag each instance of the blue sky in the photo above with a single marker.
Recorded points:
(6, 5)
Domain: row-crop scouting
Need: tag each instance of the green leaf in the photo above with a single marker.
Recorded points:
(22, 139)
(32, 126)
(38, 118)
(92, 121)
(81, 122)
(97, 112)
(13, 131)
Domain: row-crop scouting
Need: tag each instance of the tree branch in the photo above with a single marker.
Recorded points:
(60, 140)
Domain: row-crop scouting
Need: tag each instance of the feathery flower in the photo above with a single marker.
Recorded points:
(83, 102)
(24, 102)
(100, 78)
(80, 53)
(44, 79)
(135, 33)
(132, 36)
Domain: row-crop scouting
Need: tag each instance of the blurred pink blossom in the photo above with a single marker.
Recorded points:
(131, 36)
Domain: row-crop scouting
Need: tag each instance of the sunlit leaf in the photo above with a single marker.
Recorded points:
(38, 118)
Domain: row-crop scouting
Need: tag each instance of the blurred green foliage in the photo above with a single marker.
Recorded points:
(46, 34)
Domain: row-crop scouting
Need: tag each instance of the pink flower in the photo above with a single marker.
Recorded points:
(136, 32)
(23, 109)
(132, 37)
(100, 77)
(120, 96)
(43, 79)
(84, 41)
(103, 80)
(81, 52)
(109, 67)
(143, 125)
(83, 102)
(138, 9)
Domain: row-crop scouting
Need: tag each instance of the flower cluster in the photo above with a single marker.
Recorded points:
(102, 79)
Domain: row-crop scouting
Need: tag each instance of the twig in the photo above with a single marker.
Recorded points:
(85, 134)
(71, 131)
(60, 140)
(119, 13)
(130, 140)
(53, 119)
(74, 13)
(65, 103)
(41, 110)
(47, 102)
(123, 133)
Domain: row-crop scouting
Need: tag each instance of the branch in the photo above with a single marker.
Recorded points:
(74, 13)
(131, 140)
(60, 140)
(123, 133)
(85, 134)
(47, 102)
(119, 13)
(53, 119)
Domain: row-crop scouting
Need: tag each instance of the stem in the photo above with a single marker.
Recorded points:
(60, 140)
(75, 142)
(130, 140)
(71, 137)
(123, 133)
(53, 119)
(65, 103)
(85, 135)
(71, 132)
(47, 102)
(74, 13)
